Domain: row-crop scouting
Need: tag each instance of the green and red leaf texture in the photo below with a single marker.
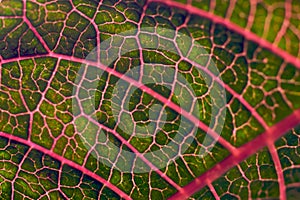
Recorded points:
(56, 144)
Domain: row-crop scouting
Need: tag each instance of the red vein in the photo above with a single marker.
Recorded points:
(246, 33)
(291, 185)
(248, 149)
(22, 58)
(277, 164)
(286, 21)
(279, 171)
(66, 161)
(213, 191)
(251, 14)
(10, 17)
(59, 181)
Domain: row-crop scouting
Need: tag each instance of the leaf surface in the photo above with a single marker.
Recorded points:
(149, 99)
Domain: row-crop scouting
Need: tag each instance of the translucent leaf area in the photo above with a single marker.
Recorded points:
(149, 99)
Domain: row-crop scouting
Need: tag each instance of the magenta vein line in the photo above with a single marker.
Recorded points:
(279, 171)
(66, 161)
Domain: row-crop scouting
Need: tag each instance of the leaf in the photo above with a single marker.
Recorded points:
(149, 99)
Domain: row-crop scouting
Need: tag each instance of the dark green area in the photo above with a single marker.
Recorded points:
(16, 40)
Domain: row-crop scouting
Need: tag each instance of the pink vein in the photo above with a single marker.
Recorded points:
(66, 161)
(286, 21)
(265, 139)
(279, 171)
(291, 185)
(213, 191)
(246, 33)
